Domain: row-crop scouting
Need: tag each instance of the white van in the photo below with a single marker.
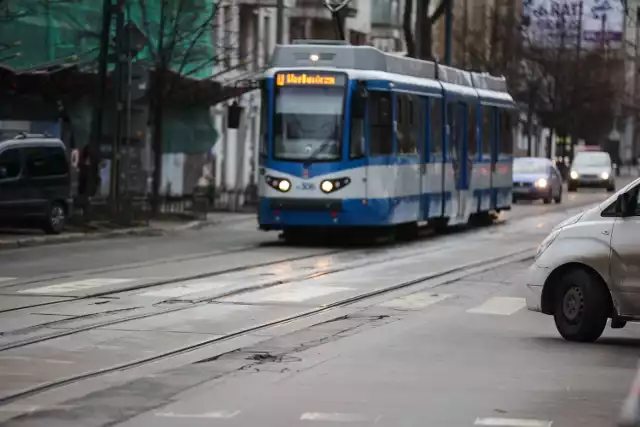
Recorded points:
(588, 269)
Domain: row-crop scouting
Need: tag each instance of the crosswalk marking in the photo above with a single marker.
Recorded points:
(502, 306)
(183, 290)
(415, 301)
(297, 293)
(512, 422)
(78, 285)
(335, 417)
(214, 414)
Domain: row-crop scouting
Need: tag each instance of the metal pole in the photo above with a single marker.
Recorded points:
(98, 108)
(280, 21)
(119, 86)
(448, 25)
(636, 82)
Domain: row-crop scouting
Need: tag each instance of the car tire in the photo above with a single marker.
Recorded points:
(56, 218)
(611, 189)
(572, 188)
(582, 306)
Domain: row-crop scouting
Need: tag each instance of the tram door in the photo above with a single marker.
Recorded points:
(458, 124)
(490, 149)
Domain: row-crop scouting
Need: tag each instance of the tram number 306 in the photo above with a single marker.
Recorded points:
(307, 186)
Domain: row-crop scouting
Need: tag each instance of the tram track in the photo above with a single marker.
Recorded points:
(447, 275)
(192, 304)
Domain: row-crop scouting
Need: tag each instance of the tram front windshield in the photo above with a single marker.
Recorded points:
(308, 123)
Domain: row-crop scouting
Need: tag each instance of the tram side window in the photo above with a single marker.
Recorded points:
(488, 129)
(405, 135)
(380, 123)
(418, 125)
(506, 132)
(356, 142)
(472, 128)
(435, 116)
(453, 124)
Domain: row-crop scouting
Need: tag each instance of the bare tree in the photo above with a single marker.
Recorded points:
(419, 34)
(179, 41)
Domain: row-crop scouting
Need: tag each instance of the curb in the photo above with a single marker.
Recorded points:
(150, 231)
(81, 237)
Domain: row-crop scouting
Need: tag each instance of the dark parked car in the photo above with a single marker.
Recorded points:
(35, 183)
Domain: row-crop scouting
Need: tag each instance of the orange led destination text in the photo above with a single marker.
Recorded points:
(304, 79)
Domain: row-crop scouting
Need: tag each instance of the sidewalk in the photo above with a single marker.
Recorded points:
(11, 239)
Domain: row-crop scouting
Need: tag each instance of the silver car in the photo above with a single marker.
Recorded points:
(592, 169)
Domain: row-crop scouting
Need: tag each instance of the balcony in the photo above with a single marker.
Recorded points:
(315, 9)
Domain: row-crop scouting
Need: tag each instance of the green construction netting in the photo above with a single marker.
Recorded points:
(39, 33)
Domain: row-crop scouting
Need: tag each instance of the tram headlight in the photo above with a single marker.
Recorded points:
(332, 185)
(326, 186)
(284, 186)
(280, 184)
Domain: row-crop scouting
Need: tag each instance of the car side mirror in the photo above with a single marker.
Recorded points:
(623, 205)
(3, 172)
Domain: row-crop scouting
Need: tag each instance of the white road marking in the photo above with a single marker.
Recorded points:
(415, 301)
(334, 417)
(512, 422)
(7, 279)
(182, 290)
(33, 408)
(298, 293)
(214, 414)
(78, 285)
(503, 306)
(36, 359)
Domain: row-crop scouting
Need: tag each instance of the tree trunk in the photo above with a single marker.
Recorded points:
(158, 112)
(408, 29)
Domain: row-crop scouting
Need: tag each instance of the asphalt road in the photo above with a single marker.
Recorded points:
(442, 337)
(104, 254)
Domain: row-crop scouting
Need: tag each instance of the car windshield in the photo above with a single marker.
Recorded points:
(592, 159)
(308, 123)
(529, 166)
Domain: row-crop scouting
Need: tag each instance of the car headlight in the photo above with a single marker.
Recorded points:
(541, 183)
(547, 242)
(604, 175)
(280, 184)
(330, 185)
(574, 175)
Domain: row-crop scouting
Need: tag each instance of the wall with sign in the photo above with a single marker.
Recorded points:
(553, 23)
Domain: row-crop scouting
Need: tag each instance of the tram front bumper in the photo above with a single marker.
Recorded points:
(281, 213)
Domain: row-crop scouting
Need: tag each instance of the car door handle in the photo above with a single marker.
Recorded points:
(606, 233)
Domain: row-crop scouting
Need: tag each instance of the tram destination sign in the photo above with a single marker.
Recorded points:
(310, 79)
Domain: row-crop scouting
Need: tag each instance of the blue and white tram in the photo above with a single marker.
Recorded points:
(354, 137)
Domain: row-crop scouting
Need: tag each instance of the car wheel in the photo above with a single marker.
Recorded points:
(56, 218)
(611, 189)
(558, 199)
(582, 306)
(572, 189)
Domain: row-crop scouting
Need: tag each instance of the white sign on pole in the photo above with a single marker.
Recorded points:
(551, 23)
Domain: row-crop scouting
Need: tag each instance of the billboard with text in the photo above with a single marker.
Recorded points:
(553, 23)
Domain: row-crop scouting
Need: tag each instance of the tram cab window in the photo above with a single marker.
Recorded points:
(507, 123)
(488, 129)
(435, 122)
(404, 114)
(472, 128)
(380, 123)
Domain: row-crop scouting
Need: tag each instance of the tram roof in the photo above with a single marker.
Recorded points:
(344, 56)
